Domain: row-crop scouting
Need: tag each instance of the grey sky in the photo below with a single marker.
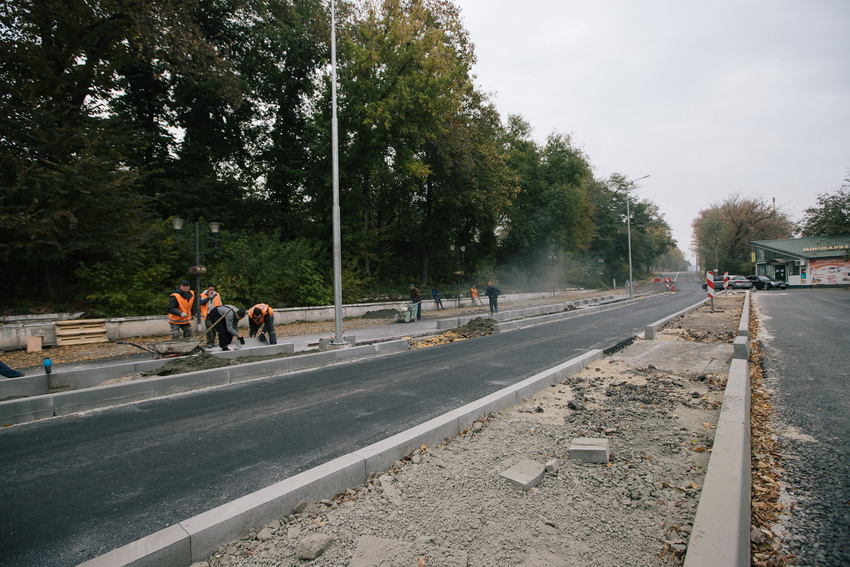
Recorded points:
(709, 98)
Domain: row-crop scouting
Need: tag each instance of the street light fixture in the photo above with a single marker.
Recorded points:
(458, 255)
(629, 233)
(201, 246)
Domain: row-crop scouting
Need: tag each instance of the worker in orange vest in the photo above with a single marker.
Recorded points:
(210, 298)
(262, 315)
(181, 307)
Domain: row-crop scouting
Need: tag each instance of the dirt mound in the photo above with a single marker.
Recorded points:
(381, 314)
(203, 361)
(478, 327)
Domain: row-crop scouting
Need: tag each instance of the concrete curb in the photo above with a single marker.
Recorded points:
(721, 533)
(62, 403)
(651, 329)
(198, 537)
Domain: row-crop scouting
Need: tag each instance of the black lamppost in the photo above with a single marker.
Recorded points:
(552, 260)
(458, 251)
(201, 246)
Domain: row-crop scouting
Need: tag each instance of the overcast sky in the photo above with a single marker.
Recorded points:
(708, 98)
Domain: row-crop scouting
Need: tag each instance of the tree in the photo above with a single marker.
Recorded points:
(551, 213)
(727, 229)
(831, 215)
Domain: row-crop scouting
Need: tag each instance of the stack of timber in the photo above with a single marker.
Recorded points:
(80, 332)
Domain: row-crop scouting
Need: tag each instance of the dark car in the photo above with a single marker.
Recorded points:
(735, 282)
(764, 282)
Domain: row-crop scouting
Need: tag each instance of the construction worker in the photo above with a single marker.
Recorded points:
(227, 329)
(262, 315)
(181, 307)
(416, 301)
(209, 299)
(473, 293)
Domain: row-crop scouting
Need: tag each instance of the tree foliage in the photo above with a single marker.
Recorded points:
(831, 215)
(116, 115)
(723, 233)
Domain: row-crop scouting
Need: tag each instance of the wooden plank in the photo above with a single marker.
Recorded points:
(81, 331)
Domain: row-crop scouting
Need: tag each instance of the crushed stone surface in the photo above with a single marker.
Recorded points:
(448, 505)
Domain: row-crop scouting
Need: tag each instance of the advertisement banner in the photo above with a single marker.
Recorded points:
(831, 271)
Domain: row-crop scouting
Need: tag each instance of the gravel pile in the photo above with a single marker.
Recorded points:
(449, 506)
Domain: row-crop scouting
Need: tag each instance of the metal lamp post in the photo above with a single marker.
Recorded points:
(629, 233)
(200, 246)
(338, 340)
(457, 252)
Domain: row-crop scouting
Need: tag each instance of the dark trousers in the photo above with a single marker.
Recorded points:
(494, 304)
(224, 336)
(267, 326)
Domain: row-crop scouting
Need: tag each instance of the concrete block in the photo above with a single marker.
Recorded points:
(721, 533)
(234, 519)
(92, 398)
(590, 450)
(253, 370)
(447, 323)
(552, 466)
(525, 474)
(381, 455)
(169, 547)
(167, 385)
(741, 345)
(399, 345)
(26, 409)
(35, 385)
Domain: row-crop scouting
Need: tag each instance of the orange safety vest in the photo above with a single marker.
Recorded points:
(474, 292)
(185, 305)
(205, 307)
(266, 310)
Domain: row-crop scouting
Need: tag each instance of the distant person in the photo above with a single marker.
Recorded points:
(493, 293)
(227, 329)
(416, 300)
(262, 315)
(209, 298)
(7, 372)
(435, 295)
(473, 293)
(181, 307)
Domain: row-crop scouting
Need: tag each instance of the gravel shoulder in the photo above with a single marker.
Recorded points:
(448, 505)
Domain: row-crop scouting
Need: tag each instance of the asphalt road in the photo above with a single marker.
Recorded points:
(75, 487)
(806, 335)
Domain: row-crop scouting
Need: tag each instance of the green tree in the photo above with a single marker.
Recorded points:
(552, 210)
(831, 215)
(726, 230)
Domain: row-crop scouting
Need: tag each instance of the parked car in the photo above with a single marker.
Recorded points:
(735, 282)
(764, 282)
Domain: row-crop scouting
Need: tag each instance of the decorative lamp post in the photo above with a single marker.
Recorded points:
(458, 252)
(201, 247)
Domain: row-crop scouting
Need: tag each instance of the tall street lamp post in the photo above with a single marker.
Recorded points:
(629, 233)
(338, 340)
(458, 256)
(201, 246)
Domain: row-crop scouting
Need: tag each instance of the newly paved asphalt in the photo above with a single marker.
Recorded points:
(75, 487)
(806, 334)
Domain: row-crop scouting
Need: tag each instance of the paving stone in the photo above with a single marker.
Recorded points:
(590, 449)
(525, 474)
